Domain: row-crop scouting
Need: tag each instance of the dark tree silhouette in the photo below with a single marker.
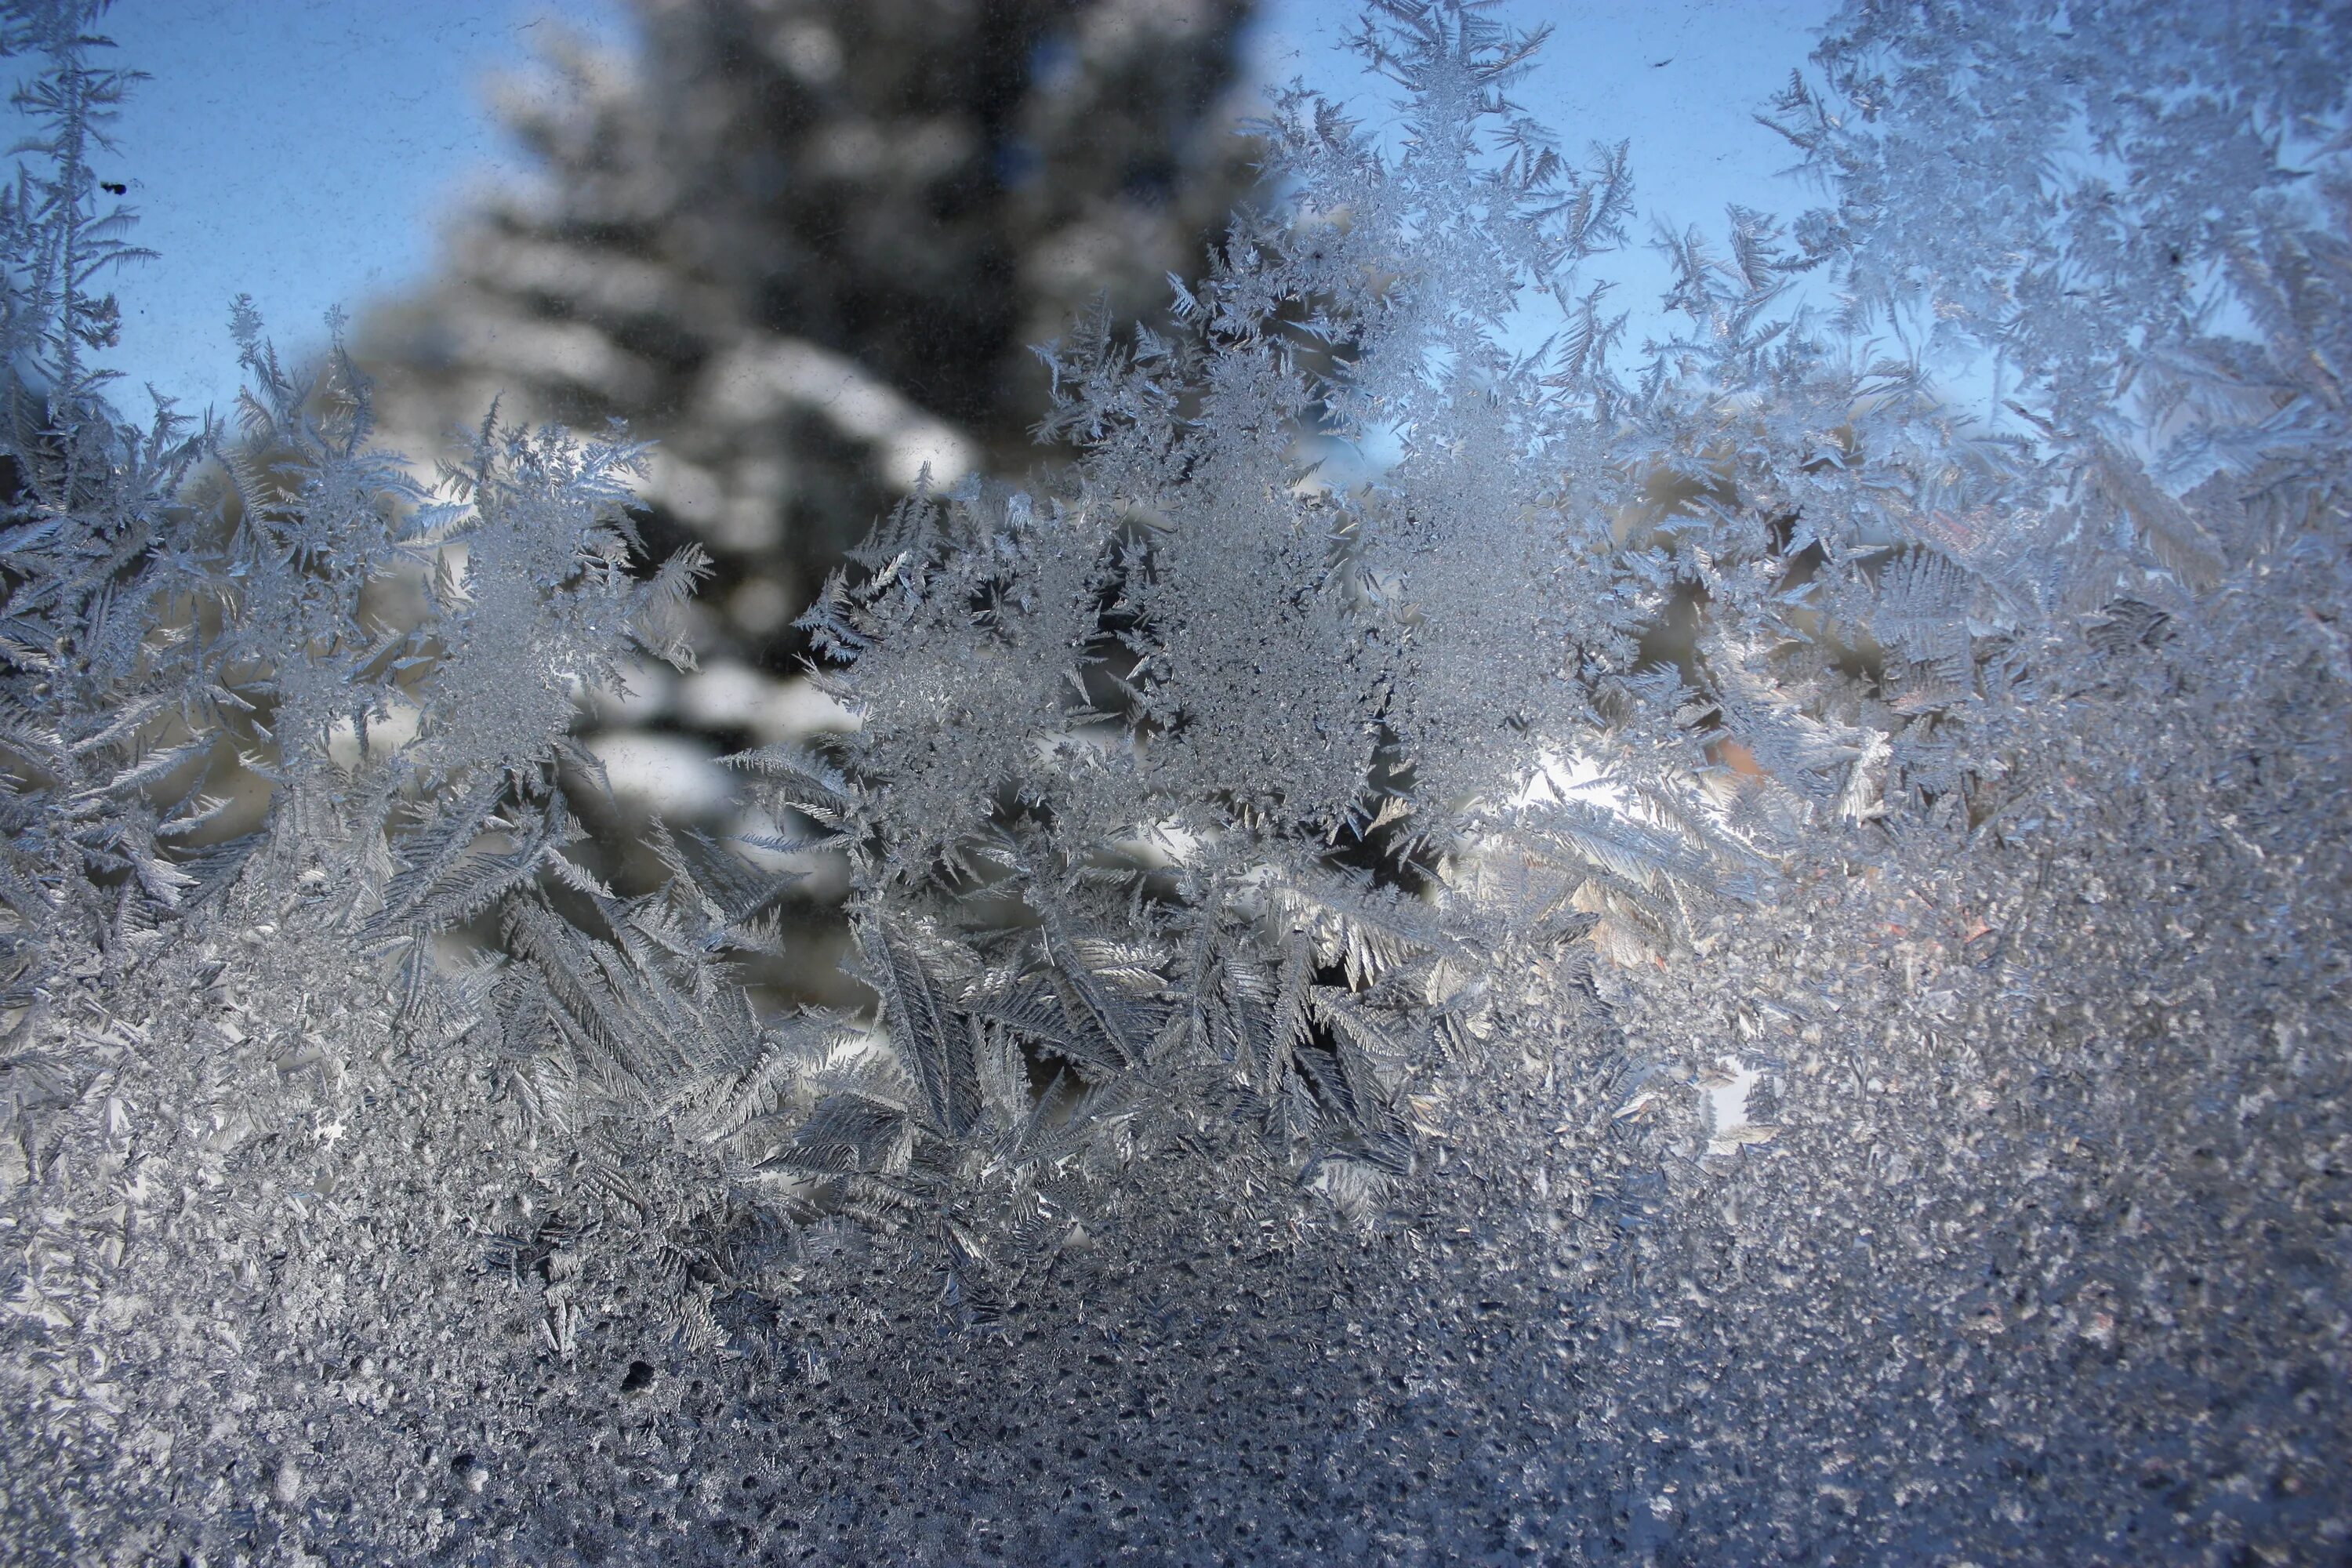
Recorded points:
(805, 245)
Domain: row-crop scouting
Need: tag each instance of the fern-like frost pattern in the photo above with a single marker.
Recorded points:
(1710, 958)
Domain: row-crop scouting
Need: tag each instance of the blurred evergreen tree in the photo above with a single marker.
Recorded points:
(804, 246)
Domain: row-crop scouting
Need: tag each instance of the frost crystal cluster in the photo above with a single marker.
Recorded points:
(1483, 949)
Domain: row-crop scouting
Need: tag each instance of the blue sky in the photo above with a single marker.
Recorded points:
(307, 150)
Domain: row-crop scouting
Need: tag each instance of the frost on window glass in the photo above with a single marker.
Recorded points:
(1480, 945)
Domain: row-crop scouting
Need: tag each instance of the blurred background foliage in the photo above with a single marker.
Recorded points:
(805, 245)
